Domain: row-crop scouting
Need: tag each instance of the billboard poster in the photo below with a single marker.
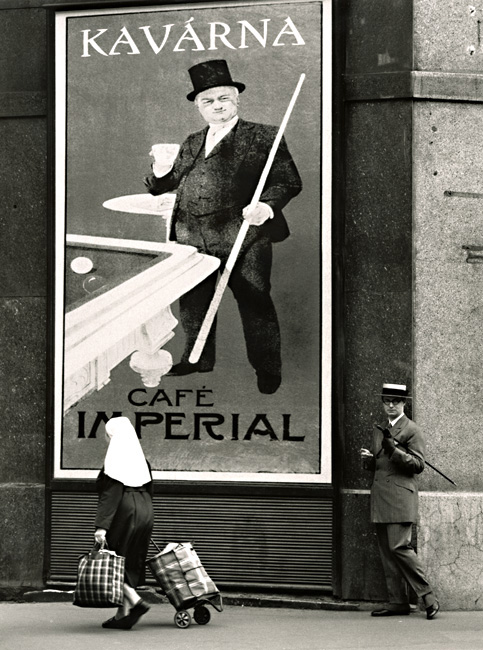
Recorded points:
(175, 128)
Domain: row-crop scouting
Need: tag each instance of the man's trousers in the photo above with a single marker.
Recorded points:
(401, 565)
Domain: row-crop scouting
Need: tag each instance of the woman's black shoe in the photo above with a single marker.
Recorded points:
(137, 611)
(390, 612)
(114, 623)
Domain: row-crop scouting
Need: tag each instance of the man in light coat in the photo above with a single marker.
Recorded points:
(215, 176)
(396, 458)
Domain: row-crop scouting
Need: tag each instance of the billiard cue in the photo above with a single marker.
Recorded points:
(225, 276)
(411, 453)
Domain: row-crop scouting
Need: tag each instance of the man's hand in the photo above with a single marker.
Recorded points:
(389, 446)
(260, 213)
(385, 432)
(149, 182)
(367, 458)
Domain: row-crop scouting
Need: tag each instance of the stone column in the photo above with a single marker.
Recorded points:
(374, 224)
(23, 289)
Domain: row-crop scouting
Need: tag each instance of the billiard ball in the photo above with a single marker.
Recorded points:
(81, 265)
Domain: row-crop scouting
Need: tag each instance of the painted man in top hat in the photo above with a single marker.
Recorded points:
(396, 458)
(215, 176)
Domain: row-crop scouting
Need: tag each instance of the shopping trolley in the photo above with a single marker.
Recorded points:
(183, 579)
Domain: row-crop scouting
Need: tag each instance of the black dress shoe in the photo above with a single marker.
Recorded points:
(185, 368)
(268, 383)
(137, 611)
(390, 612)
(118, 623)
(432, 610)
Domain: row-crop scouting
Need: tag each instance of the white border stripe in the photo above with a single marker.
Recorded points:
(325, 475)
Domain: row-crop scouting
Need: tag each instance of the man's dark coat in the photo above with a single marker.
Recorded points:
(245, 151)
(394, 492)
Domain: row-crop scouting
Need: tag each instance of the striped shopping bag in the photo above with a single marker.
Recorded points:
(100, 579)
(178, 570)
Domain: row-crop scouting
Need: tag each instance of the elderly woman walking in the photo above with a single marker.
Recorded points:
(125, 514)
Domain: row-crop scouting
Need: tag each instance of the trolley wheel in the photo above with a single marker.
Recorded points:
(182, 618)
(202, 615)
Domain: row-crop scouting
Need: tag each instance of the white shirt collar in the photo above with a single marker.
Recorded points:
(393, 422)
(216, 133)
(214, 128)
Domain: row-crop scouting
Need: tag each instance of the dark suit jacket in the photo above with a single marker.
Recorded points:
(394, 492)
(251, 146)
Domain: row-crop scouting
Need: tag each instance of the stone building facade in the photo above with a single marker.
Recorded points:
(407, 247)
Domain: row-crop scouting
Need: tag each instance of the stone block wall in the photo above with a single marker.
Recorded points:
(448, 291)
(409, 159)
(442, 94)
(23, 290)
(450, 538)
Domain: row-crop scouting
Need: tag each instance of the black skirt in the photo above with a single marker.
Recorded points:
(130, 532)
(127, 515)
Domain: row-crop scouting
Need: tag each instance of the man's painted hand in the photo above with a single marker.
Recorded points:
(149, 182)
(260, 213)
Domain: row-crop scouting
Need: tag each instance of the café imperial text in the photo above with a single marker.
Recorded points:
(183, 424)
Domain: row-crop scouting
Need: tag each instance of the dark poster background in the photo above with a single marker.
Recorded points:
(120, 100)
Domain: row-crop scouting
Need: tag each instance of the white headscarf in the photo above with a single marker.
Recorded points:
(125, 459)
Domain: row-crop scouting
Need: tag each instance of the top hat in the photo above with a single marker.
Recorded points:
(211, 74)
(395, 390)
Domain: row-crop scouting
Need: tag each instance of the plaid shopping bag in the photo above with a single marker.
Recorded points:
(100, 579)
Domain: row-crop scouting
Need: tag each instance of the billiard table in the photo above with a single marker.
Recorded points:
(122, 306)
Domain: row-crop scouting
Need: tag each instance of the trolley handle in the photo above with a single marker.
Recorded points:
(155, 545)
(164, 543)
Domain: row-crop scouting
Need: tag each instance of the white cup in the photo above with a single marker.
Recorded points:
(164, 156)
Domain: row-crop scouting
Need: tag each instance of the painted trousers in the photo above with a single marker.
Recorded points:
(249, 281)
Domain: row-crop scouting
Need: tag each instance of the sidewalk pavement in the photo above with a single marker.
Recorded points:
(57, 625)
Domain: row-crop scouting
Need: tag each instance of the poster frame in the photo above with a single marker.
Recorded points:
(57, 100)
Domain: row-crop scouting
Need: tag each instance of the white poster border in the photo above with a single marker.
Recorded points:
(325, 475)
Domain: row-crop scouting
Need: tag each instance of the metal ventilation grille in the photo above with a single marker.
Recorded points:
(240, 540)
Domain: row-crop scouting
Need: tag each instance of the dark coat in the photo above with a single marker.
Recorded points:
(127, 515)
(394, 492)
(244, 162)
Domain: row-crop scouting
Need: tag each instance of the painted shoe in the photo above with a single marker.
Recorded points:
(185, 368)
(268, 383)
